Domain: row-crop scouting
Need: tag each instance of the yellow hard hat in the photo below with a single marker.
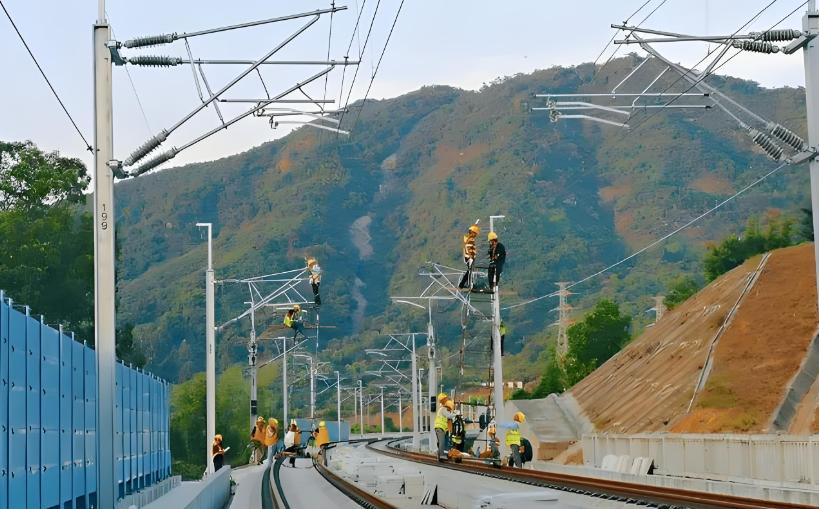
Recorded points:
(492, 236)
(475, 229)
(273, 421)
(297, 307)
(520, 417)
(322, 424)
(450, 404)
(311, 261)
(217, 438)
(260, 418)
(442, 397)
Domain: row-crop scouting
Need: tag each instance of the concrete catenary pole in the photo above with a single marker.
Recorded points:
(810, 24)
(338, 402)
(361, 408)
(400, 413)
(432, 374)
(284, 383)
(416, 411)
(104, 260)
(252, 348)
(497, 360)
(210, 349)
(382, 411)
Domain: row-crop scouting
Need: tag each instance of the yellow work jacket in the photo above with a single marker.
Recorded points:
(441, 418)
(513, 437)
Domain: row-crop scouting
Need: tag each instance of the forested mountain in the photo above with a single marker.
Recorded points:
(415, 173)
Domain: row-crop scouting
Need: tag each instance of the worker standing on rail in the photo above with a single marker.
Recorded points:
(442, 416)
(315, 278)
(257, 441)
(218, 453)
(513, 437)
(271, 437)
(497, 257)
(292, 442)
(469, 252)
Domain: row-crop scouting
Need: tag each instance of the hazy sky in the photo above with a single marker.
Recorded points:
(459, 43)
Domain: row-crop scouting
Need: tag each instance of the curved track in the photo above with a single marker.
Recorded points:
(641, 494)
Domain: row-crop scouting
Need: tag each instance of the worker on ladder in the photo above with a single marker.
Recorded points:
(469, 252)
(314, 269)
(293, 319)
(497, 257)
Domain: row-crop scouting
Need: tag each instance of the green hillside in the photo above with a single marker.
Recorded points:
(417, 171)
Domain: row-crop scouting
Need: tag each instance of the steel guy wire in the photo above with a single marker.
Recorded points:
(360, 56)
(699, 79)
(632, 31)
(375, 72)
(48, 82)
(661, 239)
(616, 31)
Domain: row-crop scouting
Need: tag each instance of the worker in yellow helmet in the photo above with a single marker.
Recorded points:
(497, 257)
(257, 438)
(218, 452)
(323, 437)
(294, 320)
(314, 270)
(513, 437)
(442, 416)
(271, 437)
(469, 252)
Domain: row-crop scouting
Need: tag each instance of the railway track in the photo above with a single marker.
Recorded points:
(649, 496)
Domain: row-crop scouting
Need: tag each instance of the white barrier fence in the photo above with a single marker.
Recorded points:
(784, 459)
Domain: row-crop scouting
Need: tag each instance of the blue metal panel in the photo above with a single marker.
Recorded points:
(118, 411)
(4, 400)
(141, 445)
(50, 416)
(132, 438)
(33, 413)
(17, 409)
(90, 422)
(78, 417)
(66, 429)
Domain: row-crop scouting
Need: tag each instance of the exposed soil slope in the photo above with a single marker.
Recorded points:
(648, 386)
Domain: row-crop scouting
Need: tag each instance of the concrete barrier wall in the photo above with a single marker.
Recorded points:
(778, 459)
(212, 492)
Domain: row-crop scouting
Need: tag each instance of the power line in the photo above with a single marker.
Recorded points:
(62, 105)
(133, 86)
(700, 79)
(375, 72)
(361, 54)
(660, 240)
(349, 46)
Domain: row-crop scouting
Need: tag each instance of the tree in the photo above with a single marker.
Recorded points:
(680, 290)
(595, 340)
(733, 251)
(46, 257)
(806, 225)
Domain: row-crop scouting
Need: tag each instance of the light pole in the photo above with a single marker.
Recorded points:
(210, 349)
(312, 383)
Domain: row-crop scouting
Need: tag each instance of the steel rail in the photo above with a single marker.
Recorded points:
(595, 486)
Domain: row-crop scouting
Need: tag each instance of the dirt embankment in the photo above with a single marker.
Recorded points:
(762, 350)
(648, 386)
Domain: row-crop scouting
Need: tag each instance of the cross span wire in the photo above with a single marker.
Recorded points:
(712, 71)
(660, 240)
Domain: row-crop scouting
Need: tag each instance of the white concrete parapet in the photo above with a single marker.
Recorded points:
(211, 492)
(785, 460)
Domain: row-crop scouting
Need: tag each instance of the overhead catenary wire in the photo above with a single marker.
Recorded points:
(360, 56)
(613, 53)
(380, 58)
(133, 86)
(661, 239)
(616, 31)
(356, 33)
(48, 82)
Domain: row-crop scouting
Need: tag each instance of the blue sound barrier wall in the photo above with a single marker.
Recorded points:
(48, 441)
